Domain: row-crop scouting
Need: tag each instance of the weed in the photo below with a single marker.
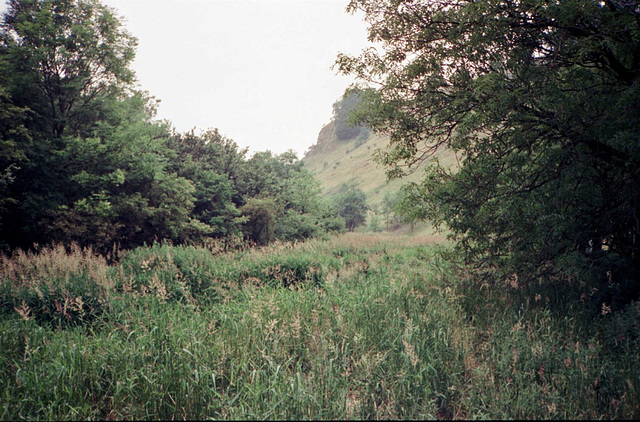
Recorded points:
(356, 326)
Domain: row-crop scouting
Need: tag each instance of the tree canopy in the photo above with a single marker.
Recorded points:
(350, 203)
(540, 102)
(84, 161)
(343, 116)
(70, 56)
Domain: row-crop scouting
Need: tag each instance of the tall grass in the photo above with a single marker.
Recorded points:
(358, 327)
(55, 285)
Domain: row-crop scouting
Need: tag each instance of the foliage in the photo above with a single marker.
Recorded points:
(261, 219)
(391, 209)
(213, 164)
(83, 160)
(350, 204)
(71, 56)
(540, 101)
(120, 188)
(343, 111)
(14, 140)
(94, 165)
(283, 200)
(374, 223)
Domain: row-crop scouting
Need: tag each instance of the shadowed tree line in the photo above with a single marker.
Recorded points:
(540, 101)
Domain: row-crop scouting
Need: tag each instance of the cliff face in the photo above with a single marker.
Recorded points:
(325, 142)
(335, 162)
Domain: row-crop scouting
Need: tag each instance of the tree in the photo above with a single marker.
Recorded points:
(85, 161)
(120, 187)
(540, 102)
(389, 208)
(282, 189)
(63, 63)
(14, 141)
(69, 57)
(213, 164)
(261, 214)
(350, 204)
(343, 115)
(374, 223)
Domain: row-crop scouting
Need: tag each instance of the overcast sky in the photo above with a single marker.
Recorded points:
(258, 70)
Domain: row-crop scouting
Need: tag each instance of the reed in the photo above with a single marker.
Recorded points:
(353, 327)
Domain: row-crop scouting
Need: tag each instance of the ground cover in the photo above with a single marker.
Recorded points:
(354, 327)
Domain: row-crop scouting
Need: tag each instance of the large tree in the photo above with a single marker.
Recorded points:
(68, 57)
(540, 102)
(214, 164)
(350, 203)
(121, 187)
(85, 162)
(283, 199)
(14, 141)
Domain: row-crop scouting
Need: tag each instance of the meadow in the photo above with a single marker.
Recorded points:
(356, 326)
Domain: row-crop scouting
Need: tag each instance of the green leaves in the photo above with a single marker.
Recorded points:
(282, 200)
(351, 204)
(535, 98)
(76, 52)
(82, 160)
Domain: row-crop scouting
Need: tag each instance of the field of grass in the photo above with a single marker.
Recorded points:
(354, 327)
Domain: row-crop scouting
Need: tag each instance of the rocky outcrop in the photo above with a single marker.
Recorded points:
(325, 142)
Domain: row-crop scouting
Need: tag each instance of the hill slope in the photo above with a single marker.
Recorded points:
(335, 162)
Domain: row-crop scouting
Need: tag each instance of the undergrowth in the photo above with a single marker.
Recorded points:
(355, 327)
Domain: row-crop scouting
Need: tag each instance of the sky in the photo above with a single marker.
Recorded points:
(258, 70)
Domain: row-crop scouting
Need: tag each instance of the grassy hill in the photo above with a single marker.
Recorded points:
(335, 162)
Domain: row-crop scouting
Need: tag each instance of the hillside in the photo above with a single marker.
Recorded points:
(335, 162)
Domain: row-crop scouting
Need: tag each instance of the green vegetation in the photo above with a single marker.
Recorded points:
(343, 116)
(150, 274)
(358, 326)
(539, 102)
(325, 160)
(351, 205)
(83, 161)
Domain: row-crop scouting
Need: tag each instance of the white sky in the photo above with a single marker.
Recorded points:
(258, 70)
